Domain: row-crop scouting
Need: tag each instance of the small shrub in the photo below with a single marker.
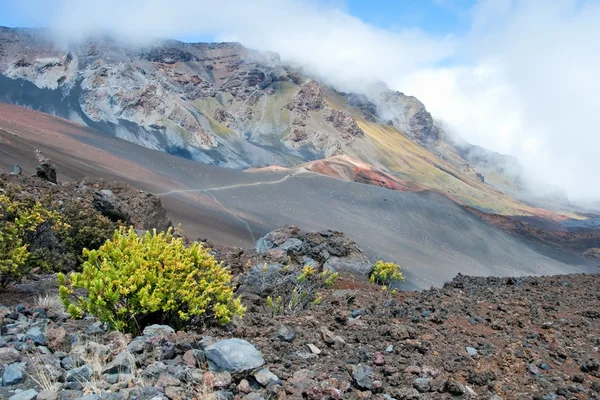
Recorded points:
(384, 273)
(88, 229)
(23, 222)
(293, 291)
(133, 281)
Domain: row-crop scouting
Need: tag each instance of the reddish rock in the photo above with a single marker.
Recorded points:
(379, 360)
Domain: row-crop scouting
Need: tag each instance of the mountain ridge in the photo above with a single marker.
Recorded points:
(223, 104)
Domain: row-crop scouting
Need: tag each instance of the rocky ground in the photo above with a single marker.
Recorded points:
(490, 338)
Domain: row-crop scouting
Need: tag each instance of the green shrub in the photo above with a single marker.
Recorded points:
(383, 273)
(132, 281)
(88, 229)
(21, 223)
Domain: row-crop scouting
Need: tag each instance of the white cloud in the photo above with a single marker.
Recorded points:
(526, 84)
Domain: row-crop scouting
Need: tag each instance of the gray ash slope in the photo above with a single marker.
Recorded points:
(432, 237)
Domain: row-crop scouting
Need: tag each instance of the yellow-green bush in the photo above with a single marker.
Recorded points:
(383, 273)
(133, 281)
(20, 223)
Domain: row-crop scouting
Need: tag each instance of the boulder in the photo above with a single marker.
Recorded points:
(276, 238)
(292, 244)
(13, 374)
(233, 355)
(108, 205)
(46, 170)
(158, 330)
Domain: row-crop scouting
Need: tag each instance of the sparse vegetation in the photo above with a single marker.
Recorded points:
(384, 273)
(293, 292)
(23, 222)
(132, 281)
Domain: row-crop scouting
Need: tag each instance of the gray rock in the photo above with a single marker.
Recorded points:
(285, 334)
(155, 370)
(309, 261)
(455, 387)
(121, 364)
(9, 355)
(233, 355)
(81, 374)
(158, 330)
(36, 335)
(69, 394)
(89, 397)
(75, 385)
(533, 369)
(13, 374)
(71, 362)
(262, 246)
(144, 393)
(252, 396)
(389, 349)
(422, 384)
(472, 351)
(264, 376)
(292, 244)
(355, 263)
(166, 351)
(16, 170)
(363, 376)
(95, 329)
(47, 395)
(30, 394)
(137, 346)
(206, 341)
(112, 396)
(114, 378)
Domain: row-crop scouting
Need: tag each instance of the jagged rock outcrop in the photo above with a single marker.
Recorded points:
(309, 98)
(344, 123)
(410, 116)
(325, 250)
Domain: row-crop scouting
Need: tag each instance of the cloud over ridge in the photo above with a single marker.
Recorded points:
(522, 81)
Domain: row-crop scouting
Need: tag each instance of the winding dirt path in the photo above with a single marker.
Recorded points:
(240, 185)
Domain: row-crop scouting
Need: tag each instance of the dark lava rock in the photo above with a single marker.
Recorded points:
(108, 205)
(46, 170)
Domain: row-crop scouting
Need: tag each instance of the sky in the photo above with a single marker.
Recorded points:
(514, 76)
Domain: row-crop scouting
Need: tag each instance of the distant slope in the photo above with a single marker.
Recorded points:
(223, 104)
(432, 237)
